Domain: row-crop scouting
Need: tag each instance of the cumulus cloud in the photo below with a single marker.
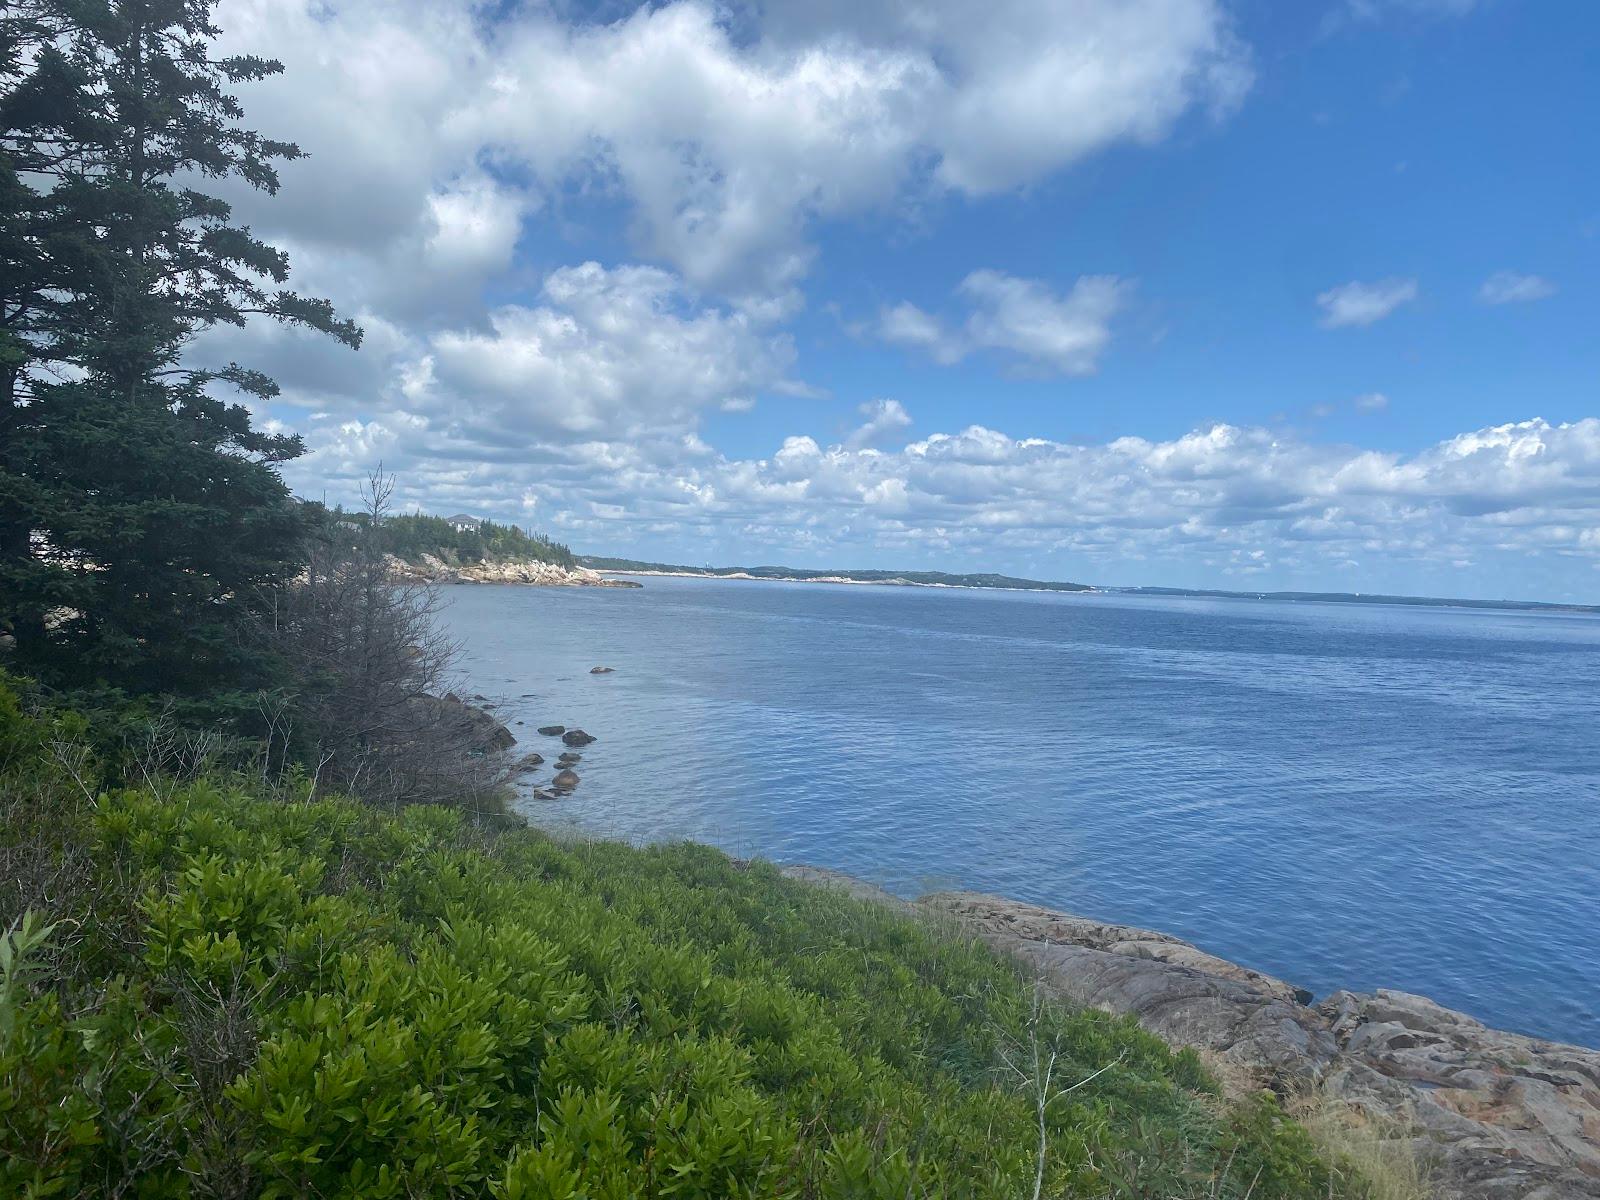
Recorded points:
(1357, 303)
(883, 419)
(1022, 319)
(613, 353)
(721, 134)
(1209, 498)
(1512, 287)
(728, 131)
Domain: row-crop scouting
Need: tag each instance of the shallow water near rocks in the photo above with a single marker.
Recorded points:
(1343, 795)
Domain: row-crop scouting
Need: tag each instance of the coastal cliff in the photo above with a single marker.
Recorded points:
(1490, 1115)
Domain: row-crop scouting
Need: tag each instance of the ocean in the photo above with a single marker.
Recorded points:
(1342, 795)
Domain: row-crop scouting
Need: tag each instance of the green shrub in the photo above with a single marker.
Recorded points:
(258, 995)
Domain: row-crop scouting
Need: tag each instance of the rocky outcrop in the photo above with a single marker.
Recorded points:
(431, 569)
(1508, 1116)
(1492, 1115)
(465, 724)
(1189, 997)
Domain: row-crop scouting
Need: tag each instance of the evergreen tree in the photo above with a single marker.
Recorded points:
(140, 514)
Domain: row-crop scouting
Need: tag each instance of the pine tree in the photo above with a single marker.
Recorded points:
(141, 515)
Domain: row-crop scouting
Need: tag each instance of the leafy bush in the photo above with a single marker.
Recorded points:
(249, 993)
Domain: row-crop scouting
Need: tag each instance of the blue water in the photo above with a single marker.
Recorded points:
(1345, 796)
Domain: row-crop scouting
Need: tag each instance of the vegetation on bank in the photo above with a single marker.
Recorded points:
(410, 536)
(223, 987)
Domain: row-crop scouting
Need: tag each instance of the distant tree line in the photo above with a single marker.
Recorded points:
(410, 536)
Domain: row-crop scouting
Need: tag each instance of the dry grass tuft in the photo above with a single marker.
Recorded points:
(1380, 1151)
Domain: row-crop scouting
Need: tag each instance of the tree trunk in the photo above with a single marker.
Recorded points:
(22, 620)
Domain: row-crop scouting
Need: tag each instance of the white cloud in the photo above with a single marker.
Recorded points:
(1372, 402)
(1209, 500)
(1023, 316)
(1511, 287)
(728, 148)
(617, 353)
(1358, 303)
(727, 131)
(726, 135)
(905, 324)
(883, 418)
(475, 225)
(1022, 319)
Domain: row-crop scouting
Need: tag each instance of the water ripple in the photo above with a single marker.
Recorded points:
(1345, 796)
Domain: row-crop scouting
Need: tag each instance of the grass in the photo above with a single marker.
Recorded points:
(224, 987)
(1381, 1154)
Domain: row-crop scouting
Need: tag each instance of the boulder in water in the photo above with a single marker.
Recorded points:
(552, 730)
(601, 670)
(566, 779)
(577, 737)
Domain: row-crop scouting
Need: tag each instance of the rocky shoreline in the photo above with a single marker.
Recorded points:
(1490, 1115)
(430, 569)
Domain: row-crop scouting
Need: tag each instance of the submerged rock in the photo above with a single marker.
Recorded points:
(577, 737)
(529, 761)
(552, 730)
(602, 670)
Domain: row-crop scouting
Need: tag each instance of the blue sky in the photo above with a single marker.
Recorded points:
(1184, 292)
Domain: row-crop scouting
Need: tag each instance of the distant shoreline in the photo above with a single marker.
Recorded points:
(1008, 583)
(775, 574)
(896, 581)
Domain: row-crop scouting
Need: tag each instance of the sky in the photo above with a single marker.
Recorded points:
(1207, 293)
